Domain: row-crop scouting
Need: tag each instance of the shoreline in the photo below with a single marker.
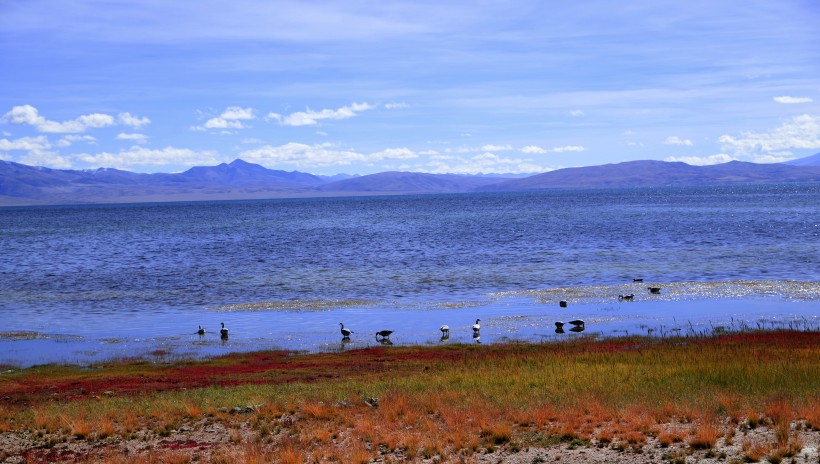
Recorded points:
(526, 317)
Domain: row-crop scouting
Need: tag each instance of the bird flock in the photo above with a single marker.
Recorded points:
(383, 336)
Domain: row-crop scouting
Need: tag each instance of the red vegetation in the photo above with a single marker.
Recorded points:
(276, 367)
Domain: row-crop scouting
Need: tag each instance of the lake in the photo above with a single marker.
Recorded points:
(85, 283)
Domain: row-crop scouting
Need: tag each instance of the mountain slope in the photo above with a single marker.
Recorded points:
(27, 185)
(659, 174)
(813, 160)
(241, 172)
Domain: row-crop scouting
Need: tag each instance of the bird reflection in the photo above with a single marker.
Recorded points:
(477, 338)
(445, 337)
(579, 328)
(559, 330)
(385, 341)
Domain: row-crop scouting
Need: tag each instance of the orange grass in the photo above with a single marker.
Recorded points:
(449, 401)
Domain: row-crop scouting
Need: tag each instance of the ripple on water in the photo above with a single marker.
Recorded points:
(676, 291)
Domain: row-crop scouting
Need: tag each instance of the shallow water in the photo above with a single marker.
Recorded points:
(87, 283)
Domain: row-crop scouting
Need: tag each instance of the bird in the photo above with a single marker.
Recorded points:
(559, 325)
(345, 332)
(630, 297)
(577, 323)
(562, 303)
(445, 330)
(223, 332)
(476, 326)
(637, 280)
(383, 333)
(201, 331)
(654, 290)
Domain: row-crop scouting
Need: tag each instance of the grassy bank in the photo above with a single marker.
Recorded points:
(419, 403)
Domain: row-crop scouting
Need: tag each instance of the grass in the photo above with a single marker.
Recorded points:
(437, 402)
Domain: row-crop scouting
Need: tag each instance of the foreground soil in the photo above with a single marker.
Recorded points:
(417, 404)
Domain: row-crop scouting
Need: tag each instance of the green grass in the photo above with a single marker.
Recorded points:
(457, 398)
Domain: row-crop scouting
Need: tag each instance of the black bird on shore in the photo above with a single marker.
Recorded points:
(201, 331)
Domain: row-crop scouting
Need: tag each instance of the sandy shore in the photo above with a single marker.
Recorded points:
(210, 440)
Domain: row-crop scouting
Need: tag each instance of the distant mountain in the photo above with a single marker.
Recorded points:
(659, 174)
(243, 173)
(21, 184)
(813, 160)
(409, 182)
(27, 185)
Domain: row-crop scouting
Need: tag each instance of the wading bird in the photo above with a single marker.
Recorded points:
(223, 332)
(577, 323)
(476, 326)
(383, 333)
(445, 330)
(201, 331)
(345, 332)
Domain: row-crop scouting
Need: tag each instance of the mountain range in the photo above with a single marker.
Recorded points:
(28, 185)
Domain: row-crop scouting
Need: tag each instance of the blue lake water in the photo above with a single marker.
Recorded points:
(86, 283)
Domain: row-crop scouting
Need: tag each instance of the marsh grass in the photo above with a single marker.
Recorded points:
(459, 400)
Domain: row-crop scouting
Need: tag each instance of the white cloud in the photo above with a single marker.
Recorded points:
(800, 132)
(567, 148)
(485, 163)
(396, 106)
(46, 158)
(702, 161)
(29, 115)
(576, 113)
(231, 118)
(26, 143)
(310, 117)
(792, 100)
(393, 153)
(136, 138)
(68, 140)
(273, 117)
(130, 120)
(533, 150)
(496, 148)
(675, 140)
(325, 154)
(300, 154)
(141, 156)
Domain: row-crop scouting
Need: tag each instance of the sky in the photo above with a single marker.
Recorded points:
(360, 86)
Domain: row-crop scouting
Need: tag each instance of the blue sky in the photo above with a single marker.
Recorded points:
(443, 87)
